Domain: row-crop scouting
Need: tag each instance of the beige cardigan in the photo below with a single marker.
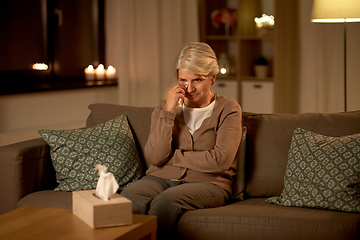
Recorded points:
(209, 155)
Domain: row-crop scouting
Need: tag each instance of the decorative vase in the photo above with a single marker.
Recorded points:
(261, 71)
(224, 64)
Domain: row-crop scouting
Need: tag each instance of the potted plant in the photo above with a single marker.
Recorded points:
(261, 67)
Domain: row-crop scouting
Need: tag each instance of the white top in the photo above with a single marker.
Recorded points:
(195, 116)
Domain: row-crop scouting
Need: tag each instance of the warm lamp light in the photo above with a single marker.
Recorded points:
(224, 64)
(332, 11)
(223, 70)
(337, 11)
(265, 21)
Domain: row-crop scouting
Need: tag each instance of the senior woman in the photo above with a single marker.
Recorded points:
(192, 146)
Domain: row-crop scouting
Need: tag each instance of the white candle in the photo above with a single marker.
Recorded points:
(89, 73)
(111, 72)
(100, 72)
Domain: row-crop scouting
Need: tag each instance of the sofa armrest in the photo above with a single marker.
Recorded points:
(25, 167)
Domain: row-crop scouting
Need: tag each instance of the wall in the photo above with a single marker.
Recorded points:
(67, 108)
(322, 64)
(142, 41)
(34, 110)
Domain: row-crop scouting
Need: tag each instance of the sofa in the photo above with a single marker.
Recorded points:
(27, 178)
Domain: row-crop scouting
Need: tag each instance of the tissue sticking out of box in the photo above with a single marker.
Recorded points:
(106, 185)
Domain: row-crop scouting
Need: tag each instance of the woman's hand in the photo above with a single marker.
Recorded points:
(173, 96)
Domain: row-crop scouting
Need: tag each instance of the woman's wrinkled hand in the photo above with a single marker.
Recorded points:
(173, 96)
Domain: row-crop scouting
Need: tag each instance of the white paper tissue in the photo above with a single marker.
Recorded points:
(106, 185)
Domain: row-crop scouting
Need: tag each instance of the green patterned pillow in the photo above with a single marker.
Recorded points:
(75, 152)
(322, 172)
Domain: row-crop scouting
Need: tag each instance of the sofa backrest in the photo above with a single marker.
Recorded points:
(268, 142)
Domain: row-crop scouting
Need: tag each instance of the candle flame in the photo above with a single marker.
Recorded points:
(100, 67)
(90, 68)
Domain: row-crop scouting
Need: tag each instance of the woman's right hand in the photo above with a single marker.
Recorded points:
(173, 96)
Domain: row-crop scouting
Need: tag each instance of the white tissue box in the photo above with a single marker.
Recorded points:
(98, 213)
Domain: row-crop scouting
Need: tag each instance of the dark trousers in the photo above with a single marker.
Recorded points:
(168, 200)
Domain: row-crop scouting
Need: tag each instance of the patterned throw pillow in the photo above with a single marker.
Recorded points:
(75, 152)
(322, 172)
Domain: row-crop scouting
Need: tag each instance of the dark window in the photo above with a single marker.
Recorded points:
(66, 35)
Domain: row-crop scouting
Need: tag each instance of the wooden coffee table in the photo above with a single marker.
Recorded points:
(54, 223)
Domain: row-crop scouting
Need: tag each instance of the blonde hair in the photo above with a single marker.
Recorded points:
(197, 58)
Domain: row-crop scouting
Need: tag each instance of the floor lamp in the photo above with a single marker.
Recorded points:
(337, 11)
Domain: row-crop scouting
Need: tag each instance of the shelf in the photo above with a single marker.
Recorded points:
(236, 37)
(252, 78)
(9, 87)
(256, 37)
(223, 37)
(228, 77)
(246, 43)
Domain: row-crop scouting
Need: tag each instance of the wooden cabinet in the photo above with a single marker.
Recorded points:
(226, 87)
(242, 43)
(257, 96)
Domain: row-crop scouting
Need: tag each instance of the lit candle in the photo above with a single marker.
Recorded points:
(111, 72)
(100, 72)
(40, 66)
(89, 73)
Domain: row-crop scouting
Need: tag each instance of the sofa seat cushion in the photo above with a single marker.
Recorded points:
(47, 199)
(256, 219)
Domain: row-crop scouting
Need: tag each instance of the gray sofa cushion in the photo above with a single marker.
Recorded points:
(268, 142)
(75, 152)
(260, 220)
(322, 172)
(139, 120)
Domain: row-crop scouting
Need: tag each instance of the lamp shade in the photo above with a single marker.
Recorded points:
(336, 11)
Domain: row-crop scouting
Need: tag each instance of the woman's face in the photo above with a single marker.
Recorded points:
(198, 92)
